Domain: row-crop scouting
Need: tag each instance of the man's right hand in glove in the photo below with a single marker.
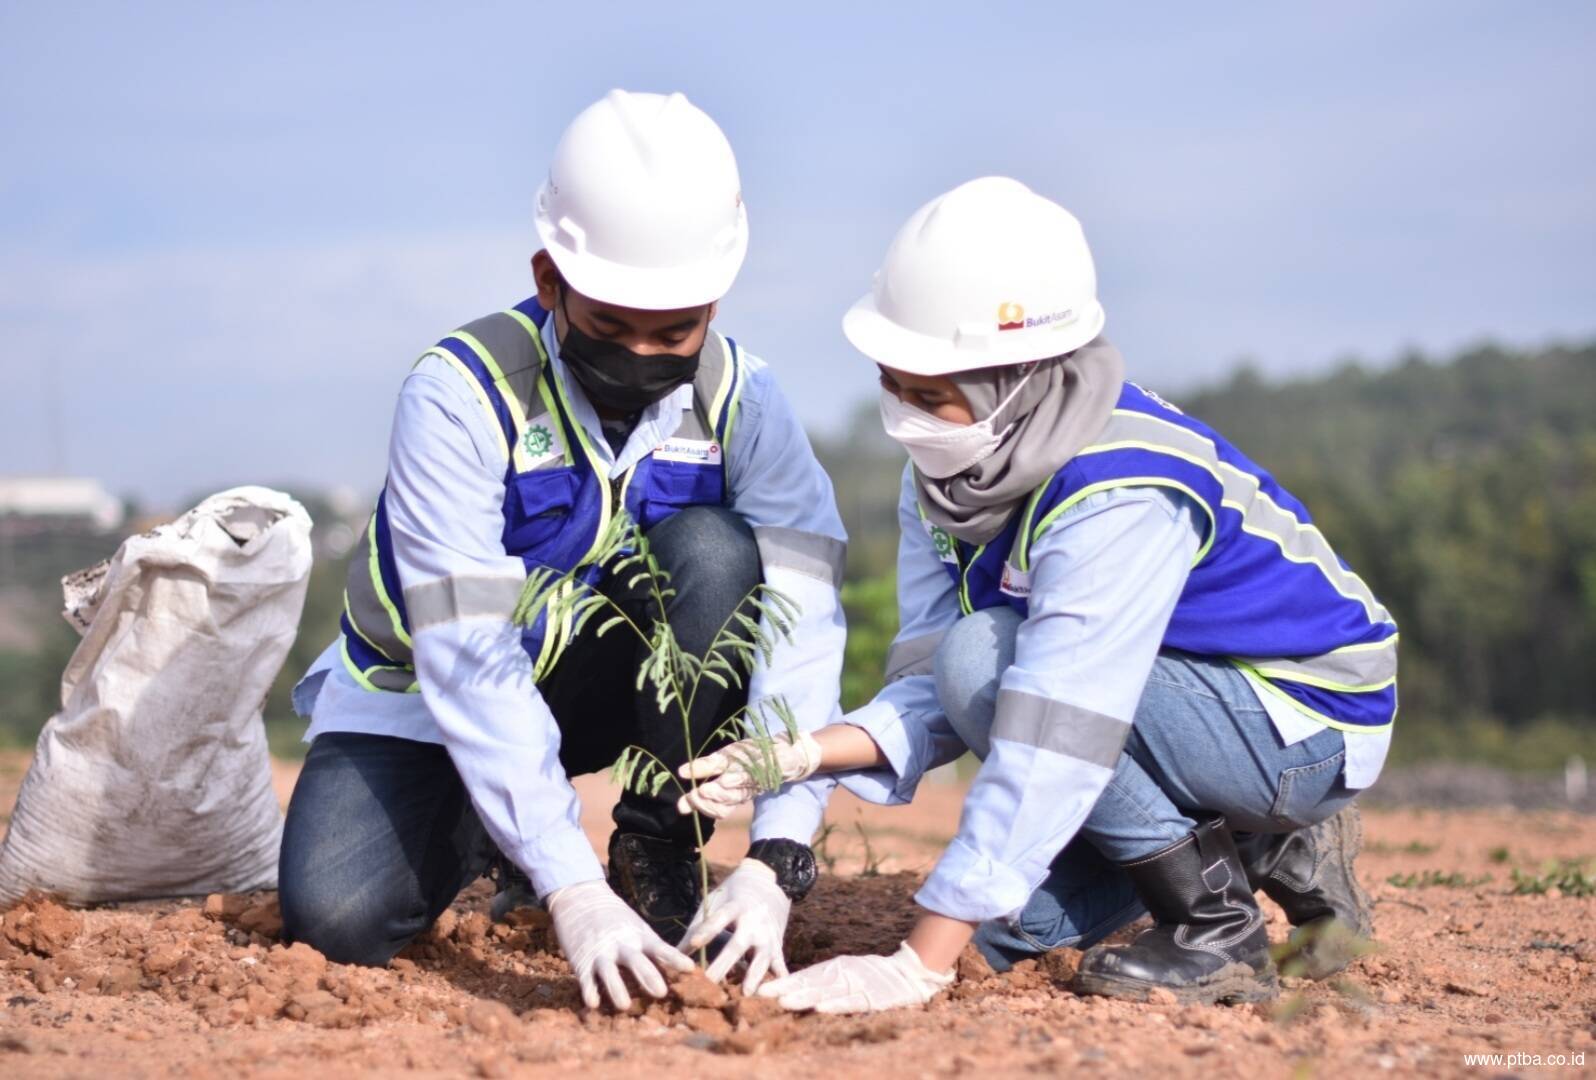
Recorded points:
(599, 934)
(726, 781)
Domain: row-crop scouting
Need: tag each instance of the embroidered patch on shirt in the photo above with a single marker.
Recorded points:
(538, 447)
(942, 540)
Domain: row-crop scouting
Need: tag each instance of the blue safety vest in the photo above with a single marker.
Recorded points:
(558, 496)
(1266, 590)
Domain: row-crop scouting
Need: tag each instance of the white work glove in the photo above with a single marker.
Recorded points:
(598, 933)
(750, 900)
(854, 984)
(729, 782)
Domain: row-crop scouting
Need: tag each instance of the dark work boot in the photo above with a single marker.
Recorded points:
(1208, 943)
(1309, 873)
(512, 889)
(658, 879)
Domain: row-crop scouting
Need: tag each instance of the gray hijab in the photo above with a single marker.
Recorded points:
(1062, 406)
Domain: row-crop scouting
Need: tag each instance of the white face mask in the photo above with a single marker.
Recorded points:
(940, 448)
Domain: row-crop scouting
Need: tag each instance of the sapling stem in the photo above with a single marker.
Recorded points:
(567, 603)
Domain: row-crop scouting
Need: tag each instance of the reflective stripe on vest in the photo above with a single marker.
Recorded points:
(559, 499)
(1260, 555)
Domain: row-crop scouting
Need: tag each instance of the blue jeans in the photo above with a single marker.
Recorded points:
(1201, 745)
(381, 835)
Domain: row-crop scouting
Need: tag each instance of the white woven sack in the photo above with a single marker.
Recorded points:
(153, 780)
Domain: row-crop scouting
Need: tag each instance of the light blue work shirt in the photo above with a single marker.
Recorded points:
(1105, 578)
(446, 468)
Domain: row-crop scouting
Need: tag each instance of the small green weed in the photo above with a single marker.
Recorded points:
(1567, 876)
(1412, 847)
(1430, 879)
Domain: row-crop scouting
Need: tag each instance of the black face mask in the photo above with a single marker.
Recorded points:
(617, 377)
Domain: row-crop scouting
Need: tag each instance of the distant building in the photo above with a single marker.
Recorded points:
(28, 503)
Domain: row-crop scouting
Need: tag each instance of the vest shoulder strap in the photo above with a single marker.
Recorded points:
(502, 356)
(717, 391)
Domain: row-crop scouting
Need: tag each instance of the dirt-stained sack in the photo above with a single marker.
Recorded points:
(153, 780)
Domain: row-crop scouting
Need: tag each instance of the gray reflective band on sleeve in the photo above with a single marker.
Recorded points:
(913, 657)
(450, 599)
(808, 553)
(1059, 727)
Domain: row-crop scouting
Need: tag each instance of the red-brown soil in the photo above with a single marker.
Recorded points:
(202, 987)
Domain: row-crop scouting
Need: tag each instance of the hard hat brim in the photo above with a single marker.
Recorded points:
(888, 343)
(645, 288)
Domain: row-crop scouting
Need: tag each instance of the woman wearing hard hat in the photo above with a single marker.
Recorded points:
(1175, 686)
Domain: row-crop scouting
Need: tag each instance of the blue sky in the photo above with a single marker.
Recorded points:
(227, 230)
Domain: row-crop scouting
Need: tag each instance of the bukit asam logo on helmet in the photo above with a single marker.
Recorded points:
(1011, 316)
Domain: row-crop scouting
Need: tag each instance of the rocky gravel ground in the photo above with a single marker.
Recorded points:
(1486, 932)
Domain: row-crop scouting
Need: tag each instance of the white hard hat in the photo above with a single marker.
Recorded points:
(989, 274)
(643, 207)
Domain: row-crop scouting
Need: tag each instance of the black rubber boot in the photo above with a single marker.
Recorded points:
(1208, 943)
(1310, 874)
(658, 879)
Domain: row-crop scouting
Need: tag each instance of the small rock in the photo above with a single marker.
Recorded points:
(1469, 989)
(225, 906)
(41, 925)
(694, 989)
(972, 966)
(265, 919)
(184, 921)
(119, 979)
(297, 958)
(163, 958)
(1159, 996)
(757, 1010)
(491, 1018)
(708, 1021)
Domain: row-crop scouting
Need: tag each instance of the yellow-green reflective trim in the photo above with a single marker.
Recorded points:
(377, 586)
(482, 395)
(1131, 481)
(728, 376)
(734, 373)
(1312, 714)
(1323, 684)
(594, 461)
(354, 669)
(529, 326)
(1029, 515)
(1327, 684)
(349, 613)
(363, 676)
(964, 577)
(516, 451)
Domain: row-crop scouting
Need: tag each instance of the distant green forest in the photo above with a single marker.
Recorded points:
(1463, 491)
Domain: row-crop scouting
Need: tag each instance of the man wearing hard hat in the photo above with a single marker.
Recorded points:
(442, 735)
(1175, 686)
